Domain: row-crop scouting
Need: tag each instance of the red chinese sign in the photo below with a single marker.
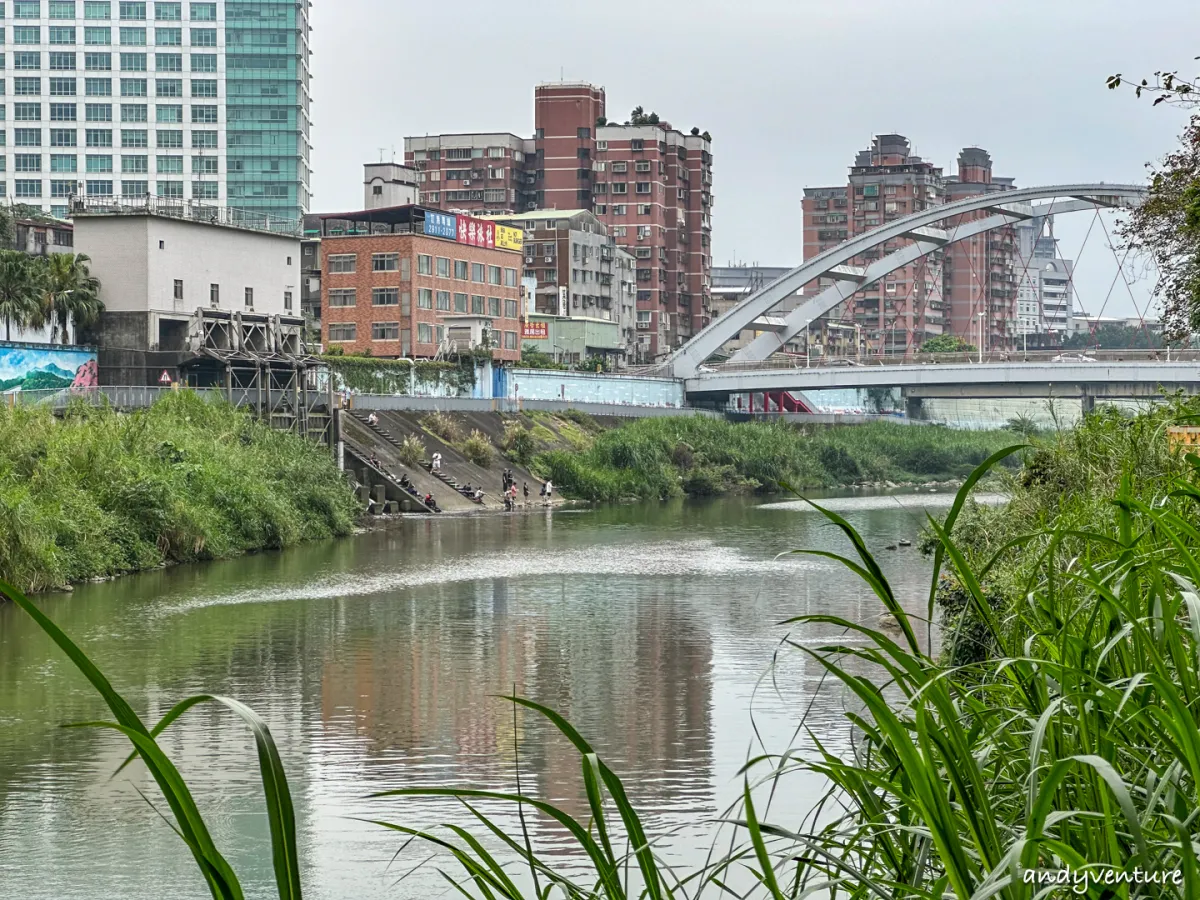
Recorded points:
(538, 331)
(476, 232)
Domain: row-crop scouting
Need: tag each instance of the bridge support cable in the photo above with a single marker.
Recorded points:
(1141, 313)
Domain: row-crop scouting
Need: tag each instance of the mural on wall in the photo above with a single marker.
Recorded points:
(35, 367)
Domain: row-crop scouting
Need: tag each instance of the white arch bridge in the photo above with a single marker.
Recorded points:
(920, 228)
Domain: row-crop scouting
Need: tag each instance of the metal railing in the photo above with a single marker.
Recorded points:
(189, 210)
(1011, 357)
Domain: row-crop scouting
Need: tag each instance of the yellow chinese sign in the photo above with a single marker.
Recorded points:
(509, 238)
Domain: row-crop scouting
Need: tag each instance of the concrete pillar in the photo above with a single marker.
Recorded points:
(913, 407)
(1089, 404)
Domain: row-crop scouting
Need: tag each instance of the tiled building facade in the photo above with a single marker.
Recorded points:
(400, 294)
(943, 292)
(650, 184)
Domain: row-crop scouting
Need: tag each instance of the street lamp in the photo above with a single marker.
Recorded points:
(981, 315)
(807, 344)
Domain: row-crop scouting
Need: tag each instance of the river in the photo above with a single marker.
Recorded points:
(377, 660)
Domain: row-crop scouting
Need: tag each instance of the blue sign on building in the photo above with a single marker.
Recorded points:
(441, 225)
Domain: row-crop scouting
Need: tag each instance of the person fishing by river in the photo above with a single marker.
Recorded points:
(525, 488)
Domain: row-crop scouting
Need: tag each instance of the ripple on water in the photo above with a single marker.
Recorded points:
(668, 559)
(940, 500)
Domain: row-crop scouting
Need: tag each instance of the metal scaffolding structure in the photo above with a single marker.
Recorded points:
(263, 363)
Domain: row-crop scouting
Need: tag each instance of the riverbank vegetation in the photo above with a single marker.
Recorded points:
(1068, 754)
(96, 493)
(701, 456)
(1061, 503)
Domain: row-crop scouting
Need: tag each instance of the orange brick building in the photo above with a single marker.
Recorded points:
(396, 283)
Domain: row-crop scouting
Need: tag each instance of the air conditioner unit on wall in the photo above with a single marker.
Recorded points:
(466, 182)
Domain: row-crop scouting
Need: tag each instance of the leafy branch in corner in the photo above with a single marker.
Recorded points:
(1167, 87)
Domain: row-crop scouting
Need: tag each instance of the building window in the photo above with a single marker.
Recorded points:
(342, 331)
(343, 263)
(385, 331)
(643, 209)
(510, 277)
(478, 273)
(494, 307)
(494, 275)
(643, 187)
(178, 289)
(461, 270)
(385, 296)
(443, 301)
(460, 303)
(133, 62)
(425, 298)
(424, 264)
(214, 295)
(510, 340)
(477, 305)
(424, 333)
(249, 298)
(443, 267)
(385, 262)
(511, 309)
(619, 187)
(343, 297)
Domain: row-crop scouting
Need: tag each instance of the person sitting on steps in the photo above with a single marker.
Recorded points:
(372, 419)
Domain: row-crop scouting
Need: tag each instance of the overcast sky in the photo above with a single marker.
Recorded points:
(789, 89)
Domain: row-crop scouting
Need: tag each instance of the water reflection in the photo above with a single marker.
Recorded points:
(379, 663)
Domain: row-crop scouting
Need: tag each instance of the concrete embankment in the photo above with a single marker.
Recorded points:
(366, 441)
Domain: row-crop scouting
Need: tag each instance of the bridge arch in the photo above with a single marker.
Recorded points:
(1007, 207)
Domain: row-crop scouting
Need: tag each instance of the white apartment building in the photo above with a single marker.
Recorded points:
(198, 102)
(1044, 280)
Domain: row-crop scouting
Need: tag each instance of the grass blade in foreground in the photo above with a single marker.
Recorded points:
(219, 875)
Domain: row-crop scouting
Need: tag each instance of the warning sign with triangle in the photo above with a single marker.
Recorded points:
(165, 378)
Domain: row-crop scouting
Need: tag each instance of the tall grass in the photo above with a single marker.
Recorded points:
(98, 493)
(1071, 749)
(658, 458)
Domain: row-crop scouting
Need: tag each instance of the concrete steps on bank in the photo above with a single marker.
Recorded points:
(365, 440)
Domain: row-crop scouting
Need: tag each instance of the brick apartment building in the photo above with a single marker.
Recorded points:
(943, 292)
(886, 182)
(396, 283)
(650, 184)
(981, 271)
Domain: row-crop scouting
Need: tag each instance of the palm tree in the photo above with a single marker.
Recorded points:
(69, 292)
(20, 291)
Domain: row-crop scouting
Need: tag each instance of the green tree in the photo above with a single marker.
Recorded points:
(533, 358)
(20, 291)
(947, 343)
(1167, 226)
(1113, 336)
(70, 293)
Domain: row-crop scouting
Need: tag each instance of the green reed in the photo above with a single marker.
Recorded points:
(1074, 742)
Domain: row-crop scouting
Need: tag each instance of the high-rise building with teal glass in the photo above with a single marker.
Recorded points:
(202, 102)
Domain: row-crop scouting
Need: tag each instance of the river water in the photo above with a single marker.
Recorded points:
(377, 662)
